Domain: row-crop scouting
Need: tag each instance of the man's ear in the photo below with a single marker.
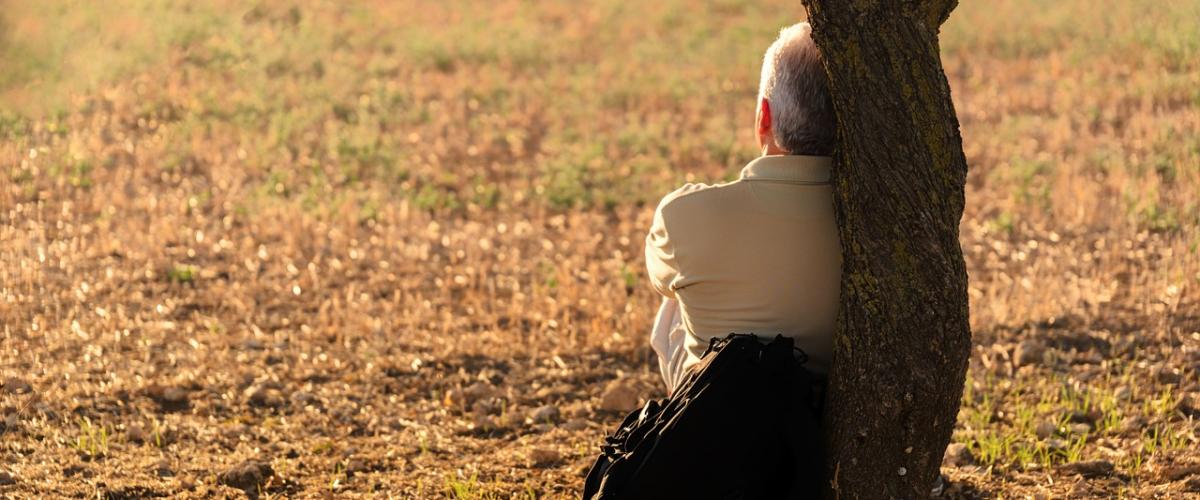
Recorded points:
(764, 116)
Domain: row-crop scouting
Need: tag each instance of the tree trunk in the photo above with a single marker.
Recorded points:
(903, 339)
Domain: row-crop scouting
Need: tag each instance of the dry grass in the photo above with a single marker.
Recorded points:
(362, 242)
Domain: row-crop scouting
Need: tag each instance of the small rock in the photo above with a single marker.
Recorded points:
(619, 395)
(246, 476)
(1089, 469)
(1029, 352)
(1083, 417)
(355, 466)
(187, 483)
(1057, 444)
(1123, 393)
(1181, 471)
(263, 397)
(544, 456)
(1080, 429)
(547, 413)
(235, 432)
(163, 469)
(6, 479)
(487, 406)
(476, 392)
(168, 398)
(1045, 429)
(134, 433)
(1167, 374)
(174, 395)
(77, 470)
(16, 386)
(957, 455)
(486, 422)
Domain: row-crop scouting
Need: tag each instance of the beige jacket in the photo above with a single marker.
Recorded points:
(758, 255)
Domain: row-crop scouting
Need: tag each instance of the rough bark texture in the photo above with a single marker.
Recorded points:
(903, 336)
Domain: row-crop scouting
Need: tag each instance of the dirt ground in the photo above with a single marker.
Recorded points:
(394, 249)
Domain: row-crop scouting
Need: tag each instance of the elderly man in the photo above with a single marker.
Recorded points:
(760, 254)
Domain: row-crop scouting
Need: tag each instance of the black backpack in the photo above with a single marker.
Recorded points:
(744, 424)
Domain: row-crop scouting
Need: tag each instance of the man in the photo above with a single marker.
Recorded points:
(761, 254)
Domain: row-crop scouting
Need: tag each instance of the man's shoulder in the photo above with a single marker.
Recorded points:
(693, 195)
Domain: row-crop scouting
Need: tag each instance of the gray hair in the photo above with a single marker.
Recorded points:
(796, 86)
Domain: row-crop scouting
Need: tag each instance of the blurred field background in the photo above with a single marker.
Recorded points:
(395, 248)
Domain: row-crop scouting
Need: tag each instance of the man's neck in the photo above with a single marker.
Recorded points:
(770, 149)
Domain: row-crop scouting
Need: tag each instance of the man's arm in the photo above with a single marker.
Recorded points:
(660, 256)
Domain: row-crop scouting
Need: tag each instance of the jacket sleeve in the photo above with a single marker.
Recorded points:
(661, 263)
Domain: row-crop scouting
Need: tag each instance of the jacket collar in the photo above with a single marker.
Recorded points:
(791, 169)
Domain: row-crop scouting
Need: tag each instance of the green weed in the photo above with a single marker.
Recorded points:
(92, 440)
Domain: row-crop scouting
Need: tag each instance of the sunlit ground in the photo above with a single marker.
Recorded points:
(396, 247)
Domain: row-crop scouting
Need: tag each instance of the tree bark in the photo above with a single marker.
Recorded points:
(903, 337)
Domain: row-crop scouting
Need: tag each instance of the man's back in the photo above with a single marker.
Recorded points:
(759, 255)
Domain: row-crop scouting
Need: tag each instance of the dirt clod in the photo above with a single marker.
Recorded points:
(77, 470)
(1045, 429)
(246, 476)
(476, 392)
(1089, 469)
(263, 397)
(356, 466)
(134, 433)
(547, 413)
(619, 395)
(169, 398)
(488, 406)
(6, 479)
(1181, 472)
(162, 468)
(487, 422)
(16, 386)
(957, 455)
(543, 456)
(1029, 352)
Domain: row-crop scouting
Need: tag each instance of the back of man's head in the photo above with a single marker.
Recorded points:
(795, 85)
